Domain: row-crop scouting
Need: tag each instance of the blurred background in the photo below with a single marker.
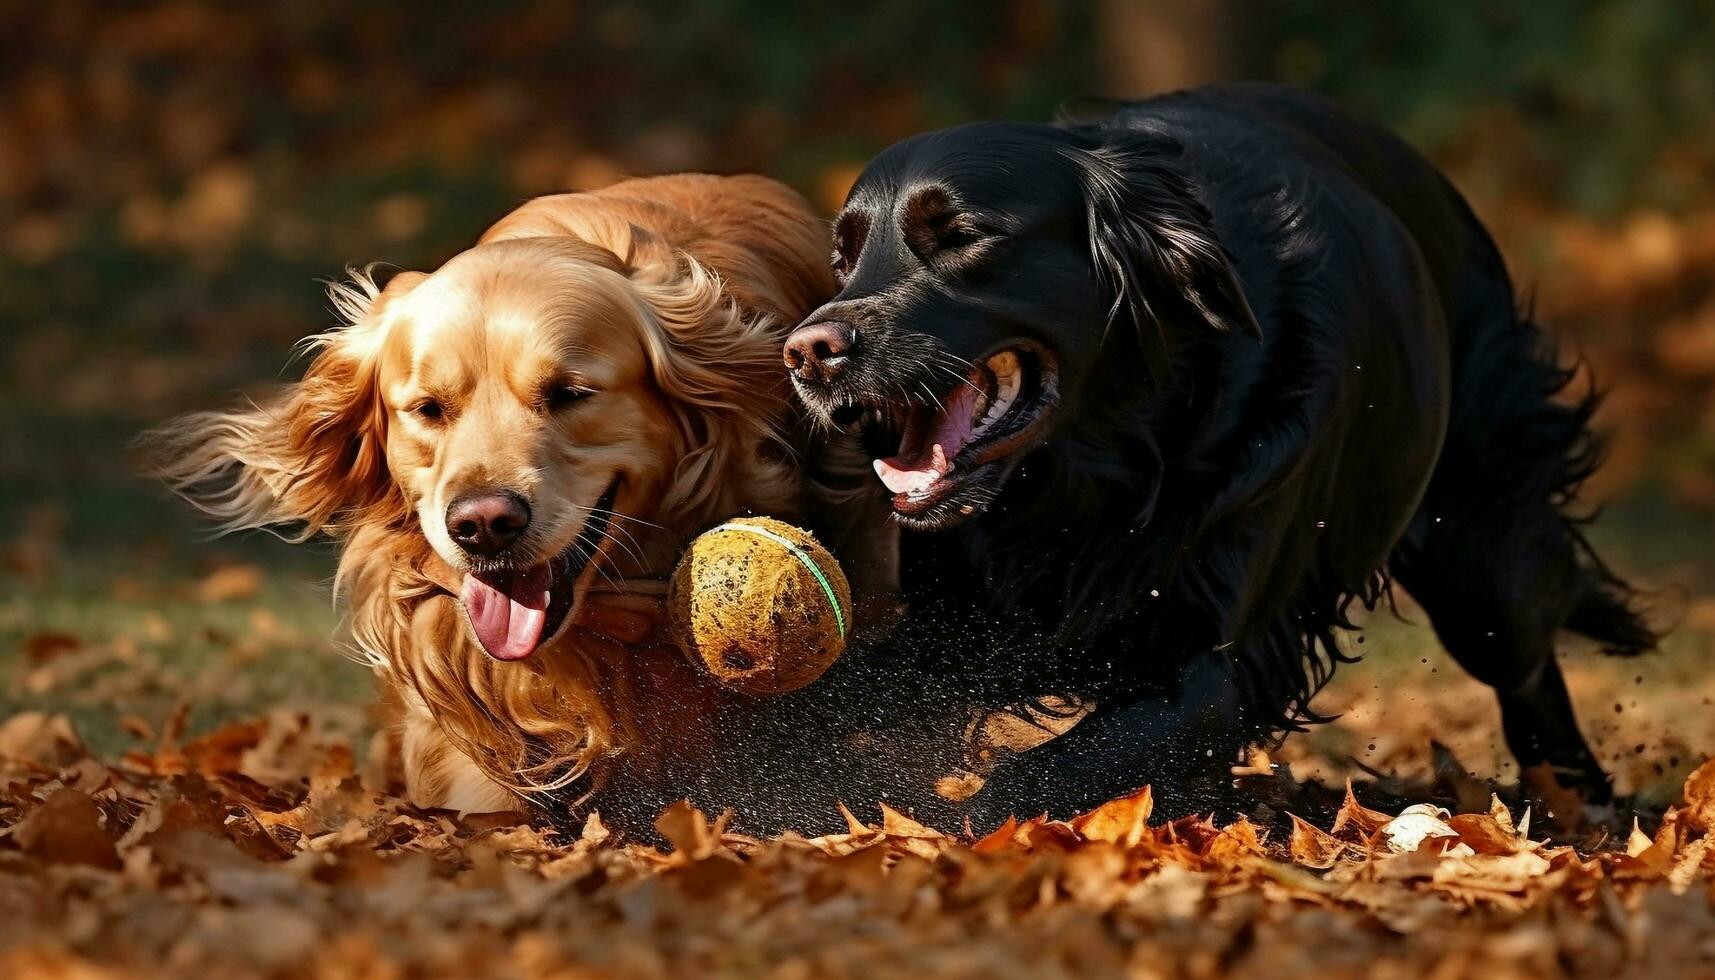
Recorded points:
(176, 176)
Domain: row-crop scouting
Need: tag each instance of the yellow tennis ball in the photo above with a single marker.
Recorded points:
(760, 605)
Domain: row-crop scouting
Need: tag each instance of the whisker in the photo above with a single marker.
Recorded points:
(633, 541)
(633, 553)
(933, 400)
(616, 515)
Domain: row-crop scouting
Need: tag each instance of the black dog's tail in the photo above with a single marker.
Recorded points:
(1606, 612)
(1604, 607)
(1498, 554)
(1566, 450)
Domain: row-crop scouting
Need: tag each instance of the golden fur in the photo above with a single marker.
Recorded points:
(667, 298)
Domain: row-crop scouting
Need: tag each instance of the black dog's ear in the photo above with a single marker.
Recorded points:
(1154, 244)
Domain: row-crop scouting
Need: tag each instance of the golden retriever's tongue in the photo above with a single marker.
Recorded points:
(932, 439)
(507, 610)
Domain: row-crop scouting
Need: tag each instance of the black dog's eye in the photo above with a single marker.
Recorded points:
(428, 410)
(561, 395)
(931, 223)
(849, 234)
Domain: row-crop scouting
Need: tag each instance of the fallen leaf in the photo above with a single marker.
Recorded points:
(1697, 799)
(998, 839)
(1313, 848)
(688, 830)
(1236, 843)
(1124, 821)
(1356, 822)
(39, 739)
(230, 583)
(1485, 834)
(67, 829)
(1414, 825)
(896, 824)
(48, 644)
(1638, 842)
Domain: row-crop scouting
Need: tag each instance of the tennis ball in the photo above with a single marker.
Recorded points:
(760, 605)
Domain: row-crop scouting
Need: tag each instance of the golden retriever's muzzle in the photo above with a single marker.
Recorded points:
(514, 610)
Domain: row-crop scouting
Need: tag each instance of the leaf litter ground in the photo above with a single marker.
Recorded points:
(266, 848)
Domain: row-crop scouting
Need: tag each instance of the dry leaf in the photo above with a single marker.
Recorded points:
(230, 583)
(397, 890)
(67, 829)
(1124, 821)
(1356, 822)
(39, 739)
(1236, 843)
(1486, 835)
(1312, 847)
(1414, 825)
(41, 647)
(1638, 842)
(1697, 799)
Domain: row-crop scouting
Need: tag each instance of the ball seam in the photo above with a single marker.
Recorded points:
(803, 559)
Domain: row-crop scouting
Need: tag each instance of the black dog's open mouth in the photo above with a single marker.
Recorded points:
(953, 453)
(514, 611)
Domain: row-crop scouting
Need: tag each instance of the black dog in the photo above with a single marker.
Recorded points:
(1160, 393)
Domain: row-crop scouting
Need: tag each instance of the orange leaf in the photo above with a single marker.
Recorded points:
(230, 583)
(1699, 797)
(66, 829)
(853, 824)
(1638, 842)
(998, 839)
(1484, 833)
(1236, 842)
(687, 829)
(1312, 847)
(1358, 822)
(896, 824)
(40, 739)
(1048, 835)
(1124, 821)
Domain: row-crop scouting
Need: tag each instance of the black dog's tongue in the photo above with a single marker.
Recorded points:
(932, 440)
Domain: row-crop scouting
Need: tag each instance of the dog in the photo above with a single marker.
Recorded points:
(1160, 391)
(502, 443)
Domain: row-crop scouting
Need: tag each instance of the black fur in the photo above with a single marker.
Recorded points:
(1290, 366)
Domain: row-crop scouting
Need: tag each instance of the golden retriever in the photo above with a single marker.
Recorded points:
(558, 409)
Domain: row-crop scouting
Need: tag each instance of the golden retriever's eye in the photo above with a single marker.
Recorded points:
(428, 410)
(562, 395)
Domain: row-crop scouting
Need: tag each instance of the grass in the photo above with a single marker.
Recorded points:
(118, 607)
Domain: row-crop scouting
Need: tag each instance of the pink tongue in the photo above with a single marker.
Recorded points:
(932, 441)
(508, 610)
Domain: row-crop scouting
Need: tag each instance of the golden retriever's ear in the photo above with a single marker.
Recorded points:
(718, 368)
(313, 460)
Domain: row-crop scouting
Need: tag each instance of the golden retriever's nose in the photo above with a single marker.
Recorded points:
(817, 351)
(487, 523)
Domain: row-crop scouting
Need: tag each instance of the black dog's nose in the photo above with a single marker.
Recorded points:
(818, 351)
(487, 523)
